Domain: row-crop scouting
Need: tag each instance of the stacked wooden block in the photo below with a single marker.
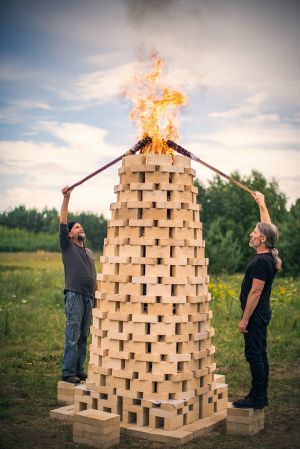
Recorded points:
(244, 421)
(65, 392)
(96, 429)
(151, 357)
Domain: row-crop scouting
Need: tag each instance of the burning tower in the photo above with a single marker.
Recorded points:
(151, 356)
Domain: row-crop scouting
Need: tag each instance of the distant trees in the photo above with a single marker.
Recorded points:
(42, 229)
(228, 215)
(289, 243)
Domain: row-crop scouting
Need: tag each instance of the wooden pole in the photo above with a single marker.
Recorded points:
(187, 153)
(141, 144)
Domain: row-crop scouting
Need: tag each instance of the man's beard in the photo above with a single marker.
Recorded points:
(81, 236)
(251, 244)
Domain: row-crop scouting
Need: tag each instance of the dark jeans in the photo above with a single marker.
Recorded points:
(256, 352)
(78, 309)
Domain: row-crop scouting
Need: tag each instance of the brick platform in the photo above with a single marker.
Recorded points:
(244, 421)
(65, 392)
(96, 429)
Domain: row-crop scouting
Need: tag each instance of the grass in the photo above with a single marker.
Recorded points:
(31, 341)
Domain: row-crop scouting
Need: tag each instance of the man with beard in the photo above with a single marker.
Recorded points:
(80, 283)
(255, 302)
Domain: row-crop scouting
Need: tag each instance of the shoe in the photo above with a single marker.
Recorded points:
(82, 376)
(71, 379)
(266, 399)
(249, 402)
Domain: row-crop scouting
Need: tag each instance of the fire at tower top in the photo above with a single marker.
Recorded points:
(155, 107)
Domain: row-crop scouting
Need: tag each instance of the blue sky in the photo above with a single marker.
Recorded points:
(63, 65)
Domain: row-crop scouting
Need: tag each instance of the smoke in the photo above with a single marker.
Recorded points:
(175, 30)
(155, 20)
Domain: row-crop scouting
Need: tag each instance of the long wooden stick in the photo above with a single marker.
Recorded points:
(187, 153)
(141, 144)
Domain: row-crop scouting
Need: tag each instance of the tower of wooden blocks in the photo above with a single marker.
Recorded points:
(151, 357)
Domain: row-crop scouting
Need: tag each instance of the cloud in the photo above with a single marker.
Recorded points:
(13, 112)
(43, 168)
(76, 135)
(102, 85)
(272, 149)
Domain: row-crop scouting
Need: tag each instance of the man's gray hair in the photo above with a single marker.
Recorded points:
(270, 231)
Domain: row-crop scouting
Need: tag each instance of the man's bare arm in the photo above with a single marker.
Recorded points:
(63, 218)
(252, 300)
(263, 210)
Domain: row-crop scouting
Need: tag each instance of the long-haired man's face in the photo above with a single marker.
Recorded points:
(256, 238)
(77, 232)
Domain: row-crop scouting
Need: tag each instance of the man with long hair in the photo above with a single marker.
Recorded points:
(255, 302)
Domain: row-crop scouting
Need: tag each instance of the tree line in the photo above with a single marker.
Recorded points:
(228, 215)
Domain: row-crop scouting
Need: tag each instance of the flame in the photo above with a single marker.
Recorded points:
(155, 107)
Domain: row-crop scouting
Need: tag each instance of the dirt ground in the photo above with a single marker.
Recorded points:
(25, 427)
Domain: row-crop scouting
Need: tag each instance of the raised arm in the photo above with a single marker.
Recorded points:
(63, 218)
(263, 210)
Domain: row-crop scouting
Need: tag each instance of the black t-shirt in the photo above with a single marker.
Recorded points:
(79, 264)
(262, 267)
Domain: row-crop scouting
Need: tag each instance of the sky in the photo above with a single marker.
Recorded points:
(63, 65)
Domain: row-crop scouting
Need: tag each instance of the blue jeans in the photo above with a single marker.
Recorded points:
(78, 309)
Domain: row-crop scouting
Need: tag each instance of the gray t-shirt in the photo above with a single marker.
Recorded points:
(79, 264)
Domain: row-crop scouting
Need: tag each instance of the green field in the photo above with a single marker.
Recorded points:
(32, 334)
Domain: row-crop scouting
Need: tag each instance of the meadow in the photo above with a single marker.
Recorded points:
(32, 333)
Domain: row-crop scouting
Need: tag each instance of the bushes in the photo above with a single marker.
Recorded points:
(13, 240)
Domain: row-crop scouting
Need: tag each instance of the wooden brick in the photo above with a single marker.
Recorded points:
(129, 232)
(129, 269)
(155, 195)
(128, 195)
(65, 392)
(171, 169)
(143, 260)
(141, 186)
(170, 223)
(157, 270)
(248, 412)
(65, 414)
(170, 187)
(145, 318)
(219, 378)
(156, 233)
(142, 168)
(157, 251)
(168, 205)
(138, 204)
(142, 241)
(156, 177)
(109, 431)
(176, 338)
(130, 289)
(159, 159)
(155, 214)
(134, 160)
(173, 299)
(144, 223)
(152, 376)
(181, 161)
